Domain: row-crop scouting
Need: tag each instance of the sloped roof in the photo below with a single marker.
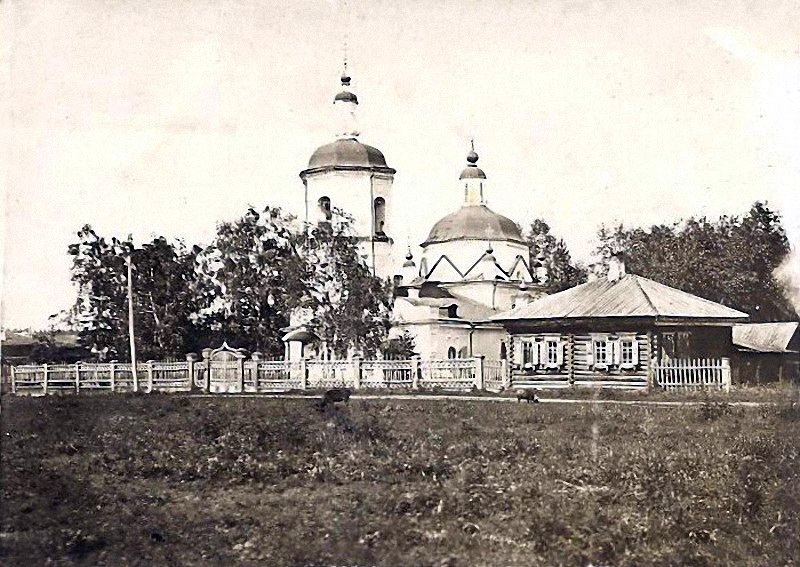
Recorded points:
(765, 337)
(630, 296)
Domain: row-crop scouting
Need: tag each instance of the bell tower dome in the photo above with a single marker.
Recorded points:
(355, 178)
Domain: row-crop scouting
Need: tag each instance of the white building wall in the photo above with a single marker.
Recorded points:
(464, 253)
(354, 192)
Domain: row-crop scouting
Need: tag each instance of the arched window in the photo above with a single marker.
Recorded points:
(503, 352)
(379, 209)
(451, 352)
(325, 208)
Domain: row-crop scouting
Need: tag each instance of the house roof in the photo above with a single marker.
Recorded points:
(765, 337)
(630, 296)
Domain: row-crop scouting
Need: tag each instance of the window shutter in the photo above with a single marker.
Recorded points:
(615, 352)
(560, 351)
(590, 352)
(536, 352)
(517, 352)
(635, 351)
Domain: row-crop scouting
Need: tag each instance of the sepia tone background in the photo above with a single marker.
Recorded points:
(165, 118)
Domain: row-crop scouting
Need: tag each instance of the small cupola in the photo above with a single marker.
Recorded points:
(409, 271)
(473, 179)
(345, 103)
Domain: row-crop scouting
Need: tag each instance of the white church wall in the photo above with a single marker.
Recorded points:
(464, 253)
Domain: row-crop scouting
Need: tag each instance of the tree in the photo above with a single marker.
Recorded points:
(253, 278)
(731, 261)
(164, 291)
(348, 307)
(544, 248)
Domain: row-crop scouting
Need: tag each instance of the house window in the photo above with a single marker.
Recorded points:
(527, 352)
(552, 353)
(451, 352)
(601, 357)
(626, 353)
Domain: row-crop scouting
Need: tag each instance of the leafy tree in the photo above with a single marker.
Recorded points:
(348, 306)
(100, 307)
(164, 288)
(399, 348)
(551, 252)
(253, 278)
(731, 261)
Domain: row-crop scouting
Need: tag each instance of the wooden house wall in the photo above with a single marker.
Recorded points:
(577, 366)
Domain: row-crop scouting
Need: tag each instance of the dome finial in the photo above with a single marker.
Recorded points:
(472, 157)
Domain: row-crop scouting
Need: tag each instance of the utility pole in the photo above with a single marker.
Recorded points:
(130, 321)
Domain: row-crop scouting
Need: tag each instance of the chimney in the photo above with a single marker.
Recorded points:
(616, 266)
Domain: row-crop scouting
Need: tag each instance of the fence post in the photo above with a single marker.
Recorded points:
(149, 376)
(505, 374)
(190, 369)
(241, 375)
(112, 369)
(415, 372)
(44, 383)
(478, 362)
(726, 374)
(356, 372)
(13, 380)
(77, 377)
(303, 375)
(207, 377)
(651, 373)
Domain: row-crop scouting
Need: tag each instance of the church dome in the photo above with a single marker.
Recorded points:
(477, 222)
(347, 152)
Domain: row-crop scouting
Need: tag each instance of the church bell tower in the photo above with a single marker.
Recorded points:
(354, 177)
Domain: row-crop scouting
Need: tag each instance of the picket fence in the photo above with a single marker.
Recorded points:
(693, 374)
(237, 376)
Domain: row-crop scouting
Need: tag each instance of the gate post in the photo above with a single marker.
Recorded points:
(44, 383)
(505, 374)
(77, 377)
(303, 374)
(13, 380)
(356, 361)
(415, 372)
(190, 359)
(112, 370)
(726, 374)
(478, 362)
(241, 375)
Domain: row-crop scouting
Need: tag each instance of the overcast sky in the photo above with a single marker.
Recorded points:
(165, 117)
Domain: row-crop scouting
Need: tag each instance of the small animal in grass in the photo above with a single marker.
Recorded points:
(527, 396)
(330, 397)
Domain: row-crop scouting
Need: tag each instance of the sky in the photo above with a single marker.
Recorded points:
(165, 117)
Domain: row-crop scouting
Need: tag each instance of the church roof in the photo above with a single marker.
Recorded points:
(476, 222)
(347, 152)
(630, 296)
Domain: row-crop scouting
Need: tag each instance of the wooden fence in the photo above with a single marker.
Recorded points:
(693, 374)
(241, 375)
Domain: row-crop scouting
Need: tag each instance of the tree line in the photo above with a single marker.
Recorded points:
(261, 273)
(266, 271)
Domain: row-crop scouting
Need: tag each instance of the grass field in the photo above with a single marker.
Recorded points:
(159, 479)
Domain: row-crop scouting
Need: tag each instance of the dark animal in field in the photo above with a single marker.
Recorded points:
(528, 396)
(330, 398)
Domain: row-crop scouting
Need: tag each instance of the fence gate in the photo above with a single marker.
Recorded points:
(226, 369)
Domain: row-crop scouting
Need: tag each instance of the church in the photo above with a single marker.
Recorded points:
(473, 265)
